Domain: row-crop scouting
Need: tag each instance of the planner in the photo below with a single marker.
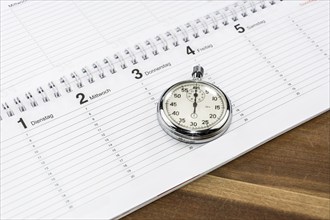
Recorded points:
(80, 85)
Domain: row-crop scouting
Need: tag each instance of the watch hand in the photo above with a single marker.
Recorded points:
(195, 102)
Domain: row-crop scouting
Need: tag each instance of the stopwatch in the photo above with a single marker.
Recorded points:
(194, 111)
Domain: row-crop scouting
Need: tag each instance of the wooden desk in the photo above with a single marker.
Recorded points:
(286, 178)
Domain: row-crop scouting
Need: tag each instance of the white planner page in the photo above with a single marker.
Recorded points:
(46, 37)
(99, 152)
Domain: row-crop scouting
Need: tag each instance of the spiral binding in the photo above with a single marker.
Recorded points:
(29, 97)
(142, 51)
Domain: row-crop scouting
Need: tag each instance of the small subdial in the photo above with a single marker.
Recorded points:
(195, 95)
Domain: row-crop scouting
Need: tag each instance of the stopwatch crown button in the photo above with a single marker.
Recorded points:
(198, 72)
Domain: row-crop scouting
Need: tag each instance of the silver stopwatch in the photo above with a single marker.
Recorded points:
(194, 111)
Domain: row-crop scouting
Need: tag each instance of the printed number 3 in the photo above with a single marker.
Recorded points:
(239, 29)
(137, 73)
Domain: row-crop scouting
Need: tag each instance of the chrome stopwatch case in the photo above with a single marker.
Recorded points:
(194, 111)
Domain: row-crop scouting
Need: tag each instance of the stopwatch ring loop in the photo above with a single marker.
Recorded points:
(198, 72)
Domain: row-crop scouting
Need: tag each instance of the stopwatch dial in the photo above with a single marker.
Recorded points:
(198, 93)
(195, 105)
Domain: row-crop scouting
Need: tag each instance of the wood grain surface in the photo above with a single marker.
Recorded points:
(286, 178)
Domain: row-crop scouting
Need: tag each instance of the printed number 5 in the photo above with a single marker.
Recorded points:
(239, 29)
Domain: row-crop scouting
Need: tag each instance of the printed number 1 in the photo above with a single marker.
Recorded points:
(23, 123)
(239, 29)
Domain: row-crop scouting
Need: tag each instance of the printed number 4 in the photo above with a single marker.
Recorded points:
(239, 29)
(190, 51)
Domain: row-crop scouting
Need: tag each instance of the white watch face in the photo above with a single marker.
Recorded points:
(194, 105)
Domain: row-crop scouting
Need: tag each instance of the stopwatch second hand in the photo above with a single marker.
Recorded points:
(195, 101)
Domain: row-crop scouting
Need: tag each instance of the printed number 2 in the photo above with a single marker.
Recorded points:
(137, 73)
(239, 29)
(23, 123)
(82, 98)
